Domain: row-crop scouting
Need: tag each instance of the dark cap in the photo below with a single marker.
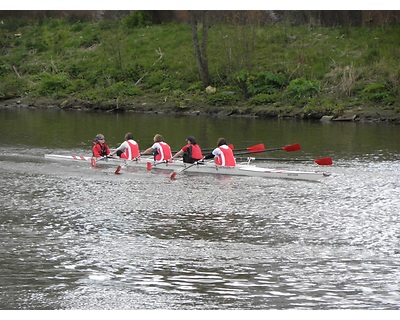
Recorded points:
(99, 137)
(191, 139)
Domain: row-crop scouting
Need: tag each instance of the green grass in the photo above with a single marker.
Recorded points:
(102, 61)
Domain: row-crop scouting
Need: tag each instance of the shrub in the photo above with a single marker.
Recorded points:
(121, 89)
(301, 88)
(263, 98)
(266, 82)
(137, 19)
(4, 69)
(222, 99)
(196, 86)
(240, 80)
(375, 92)
(51, 83)
(155, 79)
(89, 40)
(77, 85)
(12, 86)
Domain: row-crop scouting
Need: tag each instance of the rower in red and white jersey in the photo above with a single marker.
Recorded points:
(160, 149)
(223, 155)
(129, 149)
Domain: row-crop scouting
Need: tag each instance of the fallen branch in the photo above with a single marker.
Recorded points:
(159, 58)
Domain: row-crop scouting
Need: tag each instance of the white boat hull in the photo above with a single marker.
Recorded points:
(254, 171)
(243, 169)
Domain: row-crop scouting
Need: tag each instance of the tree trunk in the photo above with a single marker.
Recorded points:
(200, 19)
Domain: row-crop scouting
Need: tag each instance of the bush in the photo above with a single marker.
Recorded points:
(266, 82)
(240, 79)
(89, 40)
(375, 92)
(4, 69)
(263, 98)
(137, 19)
(77, 85)
(196, 86)
(155, 79)
(12, 86)
(222, 99)
(52, 83)
(121, 89)
(301, 88)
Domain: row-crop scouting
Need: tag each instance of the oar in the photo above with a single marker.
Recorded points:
(253, 149)
(324, 161)
(93, 161)
(289, 148)
(173, 174)
(321, 161)
(125, 165)
(149, 165)
(211, 149)
(118, 169)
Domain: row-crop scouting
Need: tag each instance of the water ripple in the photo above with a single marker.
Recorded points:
(74, 237)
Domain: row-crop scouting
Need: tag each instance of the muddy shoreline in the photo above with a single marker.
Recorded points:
(359, 114)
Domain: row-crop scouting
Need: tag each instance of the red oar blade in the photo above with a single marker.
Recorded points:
(148, 166)
(93, 162)
(292, 147)
(172, 176)
(118, 170)
(323, 161)
(257, 148)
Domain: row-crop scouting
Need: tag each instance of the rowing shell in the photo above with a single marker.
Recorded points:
(62, 157)
(115, 161)
(112, 161)
(242, 169)
(254, 171)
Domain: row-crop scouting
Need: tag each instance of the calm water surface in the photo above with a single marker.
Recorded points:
(74, 237)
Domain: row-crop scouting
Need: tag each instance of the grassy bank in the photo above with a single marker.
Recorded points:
(266, 71)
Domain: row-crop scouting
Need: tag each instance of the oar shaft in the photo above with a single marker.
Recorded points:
(260, 148)
(173, 174)
(273, 149)
(248, 152)
(278, 159)
(321, 161)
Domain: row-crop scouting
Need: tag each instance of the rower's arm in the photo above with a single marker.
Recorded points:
(178, 154)
(148, 151)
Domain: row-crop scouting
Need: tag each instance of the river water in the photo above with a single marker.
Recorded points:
(74, 237)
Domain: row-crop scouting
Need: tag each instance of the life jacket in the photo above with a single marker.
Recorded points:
(163, 152)
(192, 153)
(225, 157)
(132, 151)
(102, 149)
(196, 152)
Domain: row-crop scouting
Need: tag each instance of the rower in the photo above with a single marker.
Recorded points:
(222, 154)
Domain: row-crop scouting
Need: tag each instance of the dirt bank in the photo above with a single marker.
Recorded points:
(361, 114)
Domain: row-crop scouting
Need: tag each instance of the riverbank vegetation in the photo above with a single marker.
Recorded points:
(273, 70)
